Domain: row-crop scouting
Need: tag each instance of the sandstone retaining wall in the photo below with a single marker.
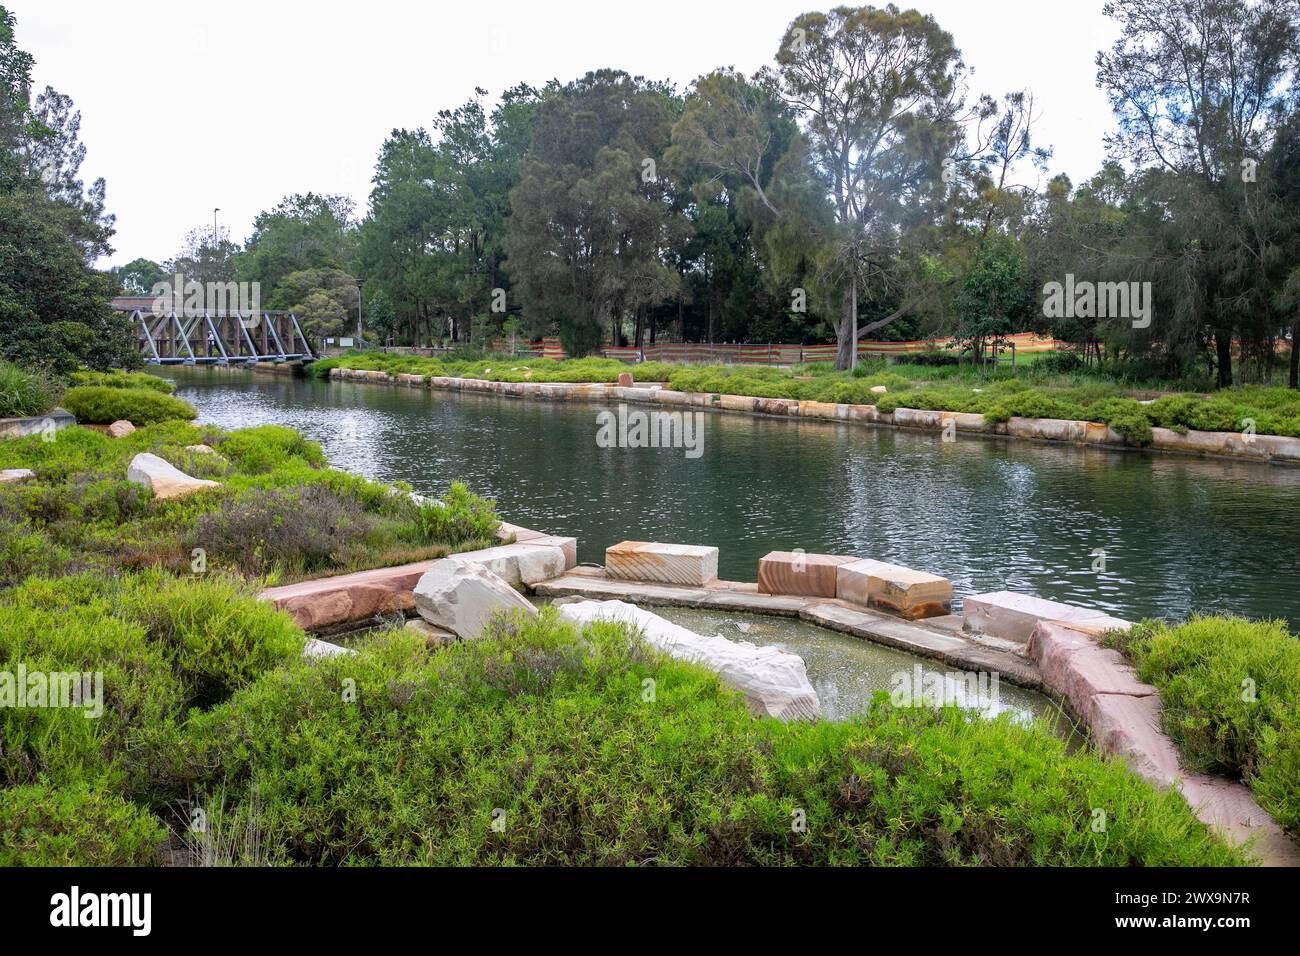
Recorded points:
(1265, 448)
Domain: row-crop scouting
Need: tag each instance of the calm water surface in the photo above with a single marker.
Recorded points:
(1178, 534)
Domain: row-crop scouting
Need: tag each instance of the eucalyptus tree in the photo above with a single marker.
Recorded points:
(878, 93)
(303, 231)
(737, 154)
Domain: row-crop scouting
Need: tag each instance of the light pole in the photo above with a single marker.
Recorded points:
(360, 283)
(214, 226)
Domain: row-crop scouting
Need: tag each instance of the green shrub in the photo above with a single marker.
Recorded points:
(25, 392)
(260, 450)
(459, 517)
(1231, 692)
(550, 725)
(103, 405)
(162, 644)
(119, 379)
(75, 825)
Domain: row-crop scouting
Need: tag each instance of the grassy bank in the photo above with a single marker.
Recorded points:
(1037, 390)
(280, 512)
(403, 755)
(1231, 692)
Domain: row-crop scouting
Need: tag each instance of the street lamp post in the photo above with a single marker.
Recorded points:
(360, 283)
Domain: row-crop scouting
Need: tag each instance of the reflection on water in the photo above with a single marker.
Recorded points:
(845, 671)
(1178, 533)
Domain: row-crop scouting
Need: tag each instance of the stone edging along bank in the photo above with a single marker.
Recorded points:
(1277, 449)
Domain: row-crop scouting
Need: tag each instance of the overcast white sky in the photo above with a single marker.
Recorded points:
(189, 106)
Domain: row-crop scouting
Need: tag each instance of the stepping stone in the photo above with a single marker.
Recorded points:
(686, 564)
(1014, 616)
(793, 572)
(908, 593)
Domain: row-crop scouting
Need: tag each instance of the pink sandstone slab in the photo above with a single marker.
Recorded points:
(1230, 808)
(1013, 616)
(686, 564)
(908, 593)
(794, 572)
(1079, 668)
(345, 598)
(1130, 728)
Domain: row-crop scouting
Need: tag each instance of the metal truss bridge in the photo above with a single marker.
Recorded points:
(215, 338)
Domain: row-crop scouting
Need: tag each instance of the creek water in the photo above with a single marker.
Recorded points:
(1136, 534)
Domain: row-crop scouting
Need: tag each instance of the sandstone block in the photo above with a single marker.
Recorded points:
(1013, 616)
(165, 480)
(1130, 728)
(911, 594)
(793, 572)
(685, 564)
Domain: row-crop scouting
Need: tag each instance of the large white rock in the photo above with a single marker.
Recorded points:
(15, 474)
(165, 480)
(461, 597)
(314, 648)
(773, 681)
(525, 563)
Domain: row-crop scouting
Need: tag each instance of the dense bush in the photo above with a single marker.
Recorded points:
(163, 644)
(262, 449)
(300, 528)
(459, 516)
(75, 825)
(550, 727)
(25, 392)
(1231, 692)
(104, 404)
(120, 379)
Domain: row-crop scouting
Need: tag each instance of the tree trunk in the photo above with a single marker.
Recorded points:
(846, 330)
(1223, 350)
